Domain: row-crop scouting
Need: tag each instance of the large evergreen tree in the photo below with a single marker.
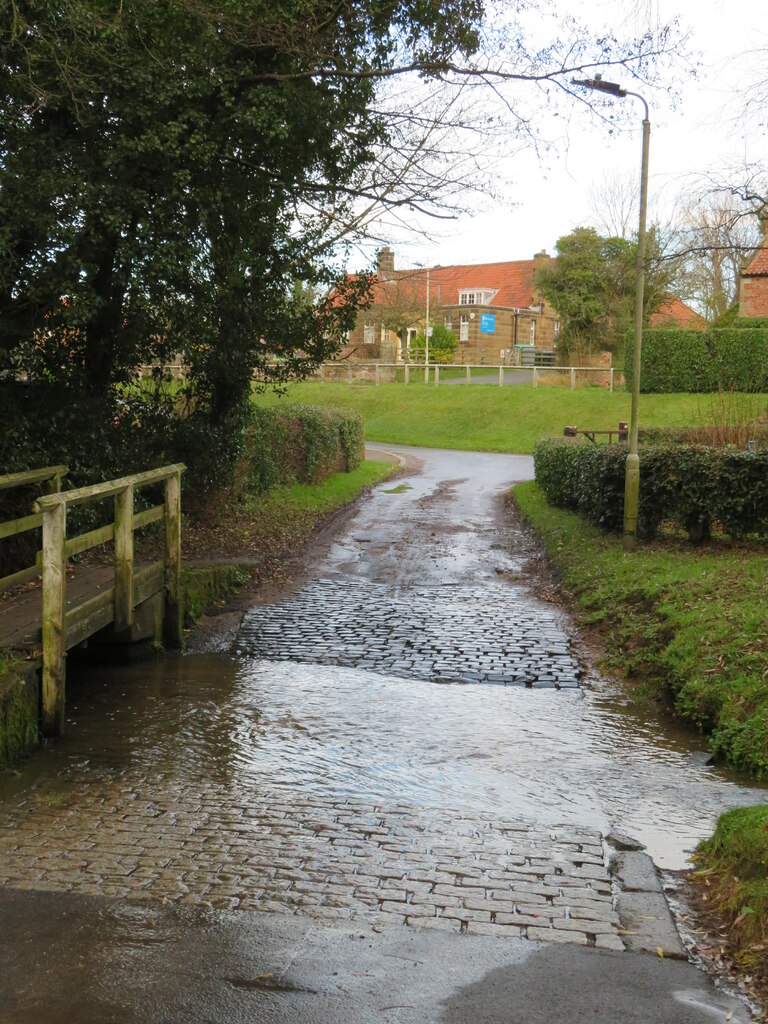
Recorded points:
(156, 159)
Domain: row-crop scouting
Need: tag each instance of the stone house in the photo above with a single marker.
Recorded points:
(495, 310)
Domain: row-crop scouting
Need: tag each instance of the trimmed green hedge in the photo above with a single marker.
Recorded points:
(678, 360)
(688, 486)
(298, 444)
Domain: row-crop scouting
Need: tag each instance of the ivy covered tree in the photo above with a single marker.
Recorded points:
(155, 165)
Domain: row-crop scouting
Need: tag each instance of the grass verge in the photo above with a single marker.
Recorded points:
(482, 417)
(732, 876)
(689, 623)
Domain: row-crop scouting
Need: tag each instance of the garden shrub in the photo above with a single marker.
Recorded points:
(298, 444)
(676, 359)
(688, 486)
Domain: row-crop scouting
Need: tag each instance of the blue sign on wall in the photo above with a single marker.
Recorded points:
(487, 323)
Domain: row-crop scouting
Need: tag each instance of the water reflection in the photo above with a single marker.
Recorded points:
(551, 756)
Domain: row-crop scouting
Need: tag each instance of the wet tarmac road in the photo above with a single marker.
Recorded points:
(335, 793)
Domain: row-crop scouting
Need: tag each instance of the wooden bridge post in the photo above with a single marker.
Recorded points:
(501, 376)
(54, 611)
(407, 372)
(173, 626)
(124, 559)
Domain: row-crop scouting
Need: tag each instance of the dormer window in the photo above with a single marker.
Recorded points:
(476, 296)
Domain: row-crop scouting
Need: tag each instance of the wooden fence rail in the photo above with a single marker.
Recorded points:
(62, 627)
(488, 369)
(53, 476)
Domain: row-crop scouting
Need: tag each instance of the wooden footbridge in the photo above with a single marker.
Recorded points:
(45, 621)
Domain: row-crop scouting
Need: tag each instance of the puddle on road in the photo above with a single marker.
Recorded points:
(548, 756)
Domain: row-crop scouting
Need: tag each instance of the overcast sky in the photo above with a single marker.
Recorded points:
(551, 196)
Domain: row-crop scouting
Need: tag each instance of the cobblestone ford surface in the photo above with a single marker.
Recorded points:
(447, 633)
(415, 603)
(340, 860)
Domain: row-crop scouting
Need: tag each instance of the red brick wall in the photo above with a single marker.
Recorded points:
(753, 296)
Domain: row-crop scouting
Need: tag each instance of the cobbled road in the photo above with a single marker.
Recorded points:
(418, 588)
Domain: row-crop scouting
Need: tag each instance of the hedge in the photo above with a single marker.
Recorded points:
(678, 360)
(692, 487)
(298, 444)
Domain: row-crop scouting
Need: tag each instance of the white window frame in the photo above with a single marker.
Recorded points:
(476, 296)
(448, 321)
(369, 332)
(464, 327)
(533, 332)
(557, 328)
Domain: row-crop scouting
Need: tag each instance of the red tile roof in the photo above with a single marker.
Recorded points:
(512, 283)
(673, 312)
(758, 267)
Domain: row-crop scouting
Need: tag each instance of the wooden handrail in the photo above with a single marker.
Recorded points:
(33, 476)
(23, 524)
(57, 549)
(81, 495)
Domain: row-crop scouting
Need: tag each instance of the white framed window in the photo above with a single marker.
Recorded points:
(533, 332)
(476, 296)
(464, 327)
(448, 321)
(412, 332)
(557, 327)
(384, 333)
(369, 332)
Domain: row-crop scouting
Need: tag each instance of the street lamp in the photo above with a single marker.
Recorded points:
(632, 472)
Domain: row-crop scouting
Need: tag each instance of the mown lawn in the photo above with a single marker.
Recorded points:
(688, 622)
(483, 417)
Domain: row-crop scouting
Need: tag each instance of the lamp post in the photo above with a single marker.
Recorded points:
(632, 472)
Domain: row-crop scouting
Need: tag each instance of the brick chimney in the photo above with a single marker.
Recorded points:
(753, 280)
(541, 261)
(385, 263)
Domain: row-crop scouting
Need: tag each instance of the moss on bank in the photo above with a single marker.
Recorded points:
(688, 623)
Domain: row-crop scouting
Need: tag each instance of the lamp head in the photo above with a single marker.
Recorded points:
(597, 83)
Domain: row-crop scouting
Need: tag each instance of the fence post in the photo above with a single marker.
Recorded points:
(437, 375)
(172, 623)
(322, 371)
(469, 373)
(349, 373)
(501, 376)
(377, 377)
(573, 377)
(407, 372)
(54, 611)
(535, 381)
(124, 559)
(611, 379)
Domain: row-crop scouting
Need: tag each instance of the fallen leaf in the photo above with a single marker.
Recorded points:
(660, 951)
